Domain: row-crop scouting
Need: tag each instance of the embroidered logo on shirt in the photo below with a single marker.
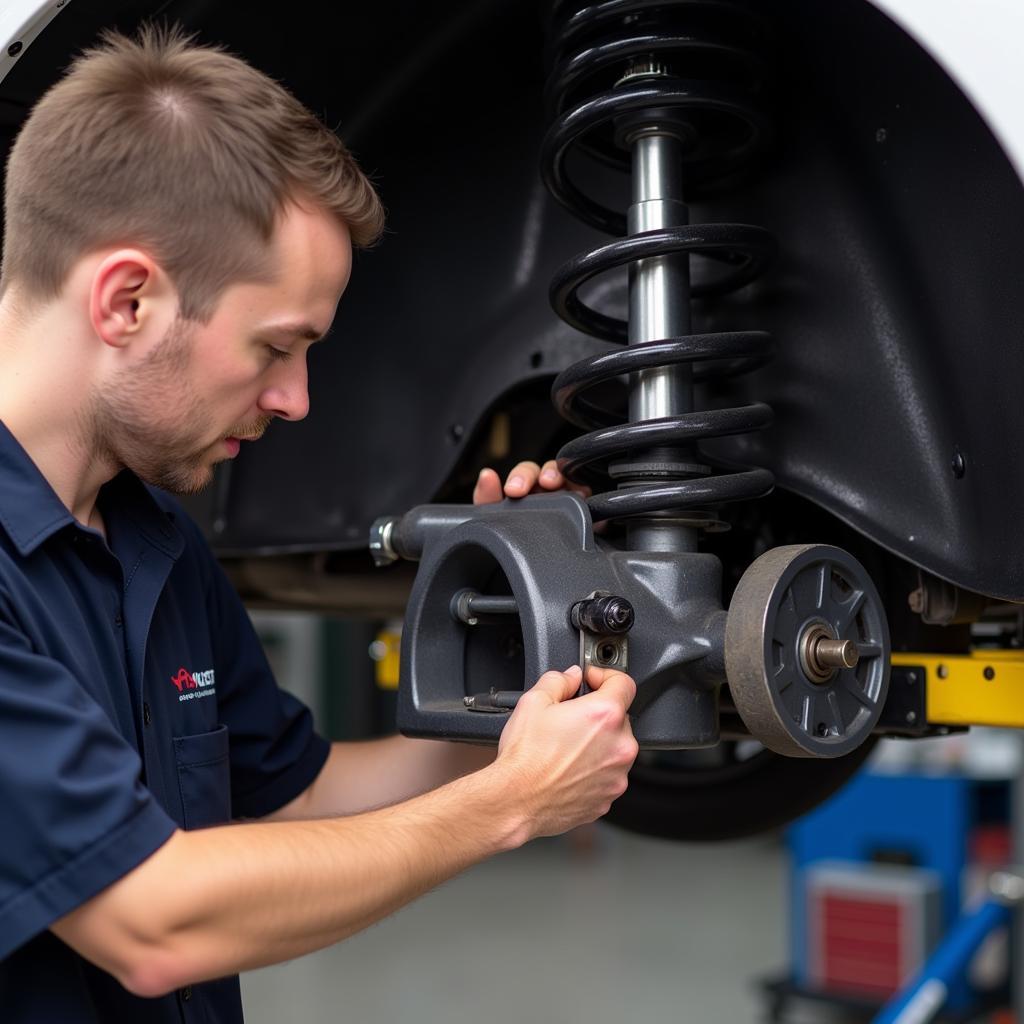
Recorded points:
(192, 685)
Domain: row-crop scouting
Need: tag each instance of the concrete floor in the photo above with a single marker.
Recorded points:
(637, 929)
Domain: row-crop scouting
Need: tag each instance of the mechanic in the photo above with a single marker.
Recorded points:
(179, 231)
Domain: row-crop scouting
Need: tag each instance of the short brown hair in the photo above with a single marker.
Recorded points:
(181, 149)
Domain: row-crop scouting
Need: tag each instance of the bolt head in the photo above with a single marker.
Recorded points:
(380, 541)
(620, 615)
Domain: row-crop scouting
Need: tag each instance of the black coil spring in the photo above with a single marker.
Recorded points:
(715, 111)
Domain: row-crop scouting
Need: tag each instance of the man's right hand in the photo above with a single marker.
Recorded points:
(566, 760)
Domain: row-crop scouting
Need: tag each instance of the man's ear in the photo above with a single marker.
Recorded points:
(126, 296)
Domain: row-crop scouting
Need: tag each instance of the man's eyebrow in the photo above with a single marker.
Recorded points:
(301, 329)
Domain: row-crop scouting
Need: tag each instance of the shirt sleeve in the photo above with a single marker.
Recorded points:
(74, 815)
(275, 752)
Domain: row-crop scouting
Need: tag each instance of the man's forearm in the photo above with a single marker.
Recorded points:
(364, 775)
(261, 893)
(216, 901)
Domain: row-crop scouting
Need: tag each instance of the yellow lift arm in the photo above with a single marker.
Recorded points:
(985, 687)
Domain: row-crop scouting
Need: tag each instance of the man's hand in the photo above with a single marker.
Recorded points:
(526, 478)
(567, 760)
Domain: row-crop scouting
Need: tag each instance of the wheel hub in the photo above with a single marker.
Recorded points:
(823, 654)
(807, 651)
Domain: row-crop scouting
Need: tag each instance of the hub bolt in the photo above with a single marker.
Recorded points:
(821, 654)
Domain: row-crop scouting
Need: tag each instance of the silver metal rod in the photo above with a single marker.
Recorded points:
(659, 308)
(659, 288)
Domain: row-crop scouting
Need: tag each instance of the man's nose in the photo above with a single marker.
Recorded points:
(288, 395)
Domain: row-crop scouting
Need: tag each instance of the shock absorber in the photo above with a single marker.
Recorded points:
(669, 129)
(667, 92)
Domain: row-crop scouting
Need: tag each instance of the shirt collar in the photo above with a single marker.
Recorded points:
(31, 512)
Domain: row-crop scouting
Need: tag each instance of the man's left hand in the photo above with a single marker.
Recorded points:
(526, 478)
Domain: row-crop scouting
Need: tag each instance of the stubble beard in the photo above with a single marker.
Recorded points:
(146, 420)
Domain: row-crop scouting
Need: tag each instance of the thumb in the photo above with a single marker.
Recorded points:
(560, 686)
(613, 682)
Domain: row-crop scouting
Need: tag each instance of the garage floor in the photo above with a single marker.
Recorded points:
(597, 928)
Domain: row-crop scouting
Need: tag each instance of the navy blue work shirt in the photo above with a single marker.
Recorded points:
(134, 699)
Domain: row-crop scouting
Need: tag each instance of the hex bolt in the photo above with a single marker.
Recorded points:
(606, 616)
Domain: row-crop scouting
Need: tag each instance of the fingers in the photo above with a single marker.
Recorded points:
(612, 683)
(559, 686)
(522, 479)
(551, 478)
(525, 478)
(488, 488)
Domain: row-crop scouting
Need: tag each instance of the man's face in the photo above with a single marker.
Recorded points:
(192, 399)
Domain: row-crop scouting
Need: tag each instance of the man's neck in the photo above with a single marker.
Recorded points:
(44, 397)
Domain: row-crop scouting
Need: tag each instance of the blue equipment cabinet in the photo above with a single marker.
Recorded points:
(921, 820)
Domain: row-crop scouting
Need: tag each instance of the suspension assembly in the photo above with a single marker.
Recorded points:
(665, 130)
(670, 93)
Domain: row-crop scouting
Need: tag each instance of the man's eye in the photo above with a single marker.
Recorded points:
(278, 353)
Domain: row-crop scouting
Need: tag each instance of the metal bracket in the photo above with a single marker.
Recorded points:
(906, 707)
